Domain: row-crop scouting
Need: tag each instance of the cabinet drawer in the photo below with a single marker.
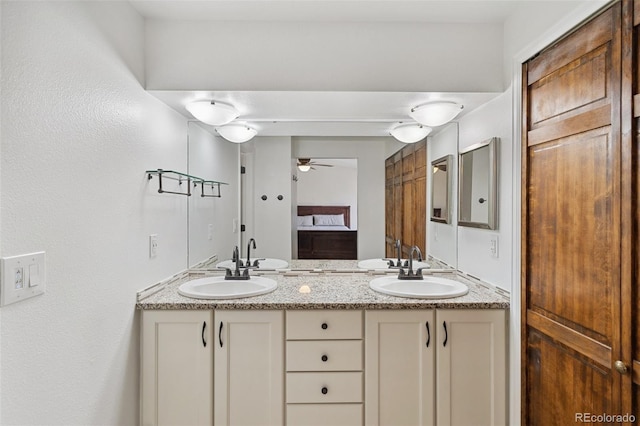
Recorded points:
(314, 325)
(324, 355)
(324, 414)
(324, 387)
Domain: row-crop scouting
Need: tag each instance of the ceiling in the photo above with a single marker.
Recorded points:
(313, 113)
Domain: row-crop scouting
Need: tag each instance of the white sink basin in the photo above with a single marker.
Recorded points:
(382, 264)
(427, 288)
(264, 264)
(219, 288)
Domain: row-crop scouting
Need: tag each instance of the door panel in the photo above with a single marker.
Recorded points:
(573, 241)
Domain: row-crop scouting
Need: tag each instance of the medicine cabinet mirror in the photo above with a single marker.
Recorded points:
(441, 190)
(477, 188)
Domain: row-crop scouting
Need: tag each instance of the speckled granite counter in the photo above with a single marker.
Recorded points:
(329, 290)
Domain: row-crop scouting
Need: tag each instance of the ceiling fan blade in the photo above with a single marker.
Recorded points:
(323, 165)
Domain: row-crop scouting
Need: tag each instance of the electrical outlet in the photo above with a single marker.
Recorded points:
(22, 277)
(153, 245)
(210, 232)
(493, 245)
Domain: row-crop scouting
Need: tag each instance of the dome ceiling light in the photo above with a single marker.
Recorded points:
(436, 113)
(236, 132)
(213, 113)
(410, 133)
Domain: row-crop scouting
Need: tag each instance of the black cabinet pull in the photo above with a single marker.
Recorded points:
(204, 327)
(324, 325)
(428, 334)
(324, 390)
(324, 358)
(220, 334)
(446, 334)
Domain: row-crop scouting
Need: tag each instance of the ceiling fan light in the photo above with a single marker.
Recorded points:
(436, 113)
(410, 133)
(304, 167)
(237, 132)
(212, 112)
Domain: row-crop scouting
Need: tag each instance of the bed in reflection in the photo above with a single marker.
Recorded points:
(324, 232)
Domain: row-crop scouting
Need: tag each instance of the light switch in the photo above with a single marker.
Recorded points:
(34, 275)
(22, 276)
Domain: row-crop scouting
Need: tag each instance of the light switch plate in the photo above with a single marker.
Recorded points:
(22, 277)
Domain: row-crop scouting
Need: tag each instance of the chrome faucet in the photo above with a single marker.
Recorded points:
(236, 274)
(249, 251)
(410, 275)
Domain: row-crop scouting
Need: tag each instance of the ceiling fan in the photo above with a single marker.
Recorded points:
(305, 164)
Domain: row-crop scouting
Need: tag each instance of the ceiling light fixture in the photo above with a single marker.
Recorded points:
(410, 133)
(304, 167)
(212, 112)
(237, 132)
(436, 113)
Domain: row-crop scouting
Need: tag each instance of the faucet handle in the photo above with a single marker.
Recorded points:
(256, 262)
(227, 271)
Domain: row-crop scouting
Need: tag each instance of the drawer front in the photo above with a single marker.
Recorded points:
(324, 414)
(324, 387)
(324, 355)
(316, 325)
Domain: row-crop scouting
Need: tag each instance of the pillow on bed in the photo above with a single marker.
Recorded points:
(328, 220)
(305, 220)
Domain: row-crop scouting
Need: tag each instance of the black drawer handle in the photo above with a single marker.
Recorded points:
(324, 326)
(204, 327)
(325, 358)
(428, 334)
(220, 334)
(324, 390)
(446, 334)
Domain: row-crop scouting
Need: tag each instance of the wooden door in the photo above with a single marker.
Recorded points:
(635, 198)
(576, 226)
(249, 368)
(408, 202)
(406, 199)
(399, 368)
(176, 370)
(471, 368)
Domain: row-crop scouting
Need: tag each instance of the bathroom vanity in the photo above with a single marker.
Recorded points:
(323, 349)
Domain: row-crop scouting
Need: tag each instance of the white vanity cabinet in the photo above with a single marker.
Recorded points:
(443, 367)
(471, 367)
(400, 349)
(324, 368)
(176, 380)
(248, 367)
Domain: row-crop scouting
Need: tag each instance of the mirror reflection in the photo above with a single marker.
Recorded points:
(477, 200)
(441, 190)
(327, 208)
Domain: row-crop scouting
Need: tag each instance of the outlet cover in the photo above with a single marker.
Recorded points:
(22, 277)
(153, 245)
(493, 245)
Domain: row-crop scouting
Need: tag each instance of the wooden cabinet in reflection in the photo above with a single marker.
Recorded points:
(406, 199)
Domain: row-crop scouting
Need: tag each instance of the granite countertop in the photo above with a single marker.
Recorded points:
(329, 290)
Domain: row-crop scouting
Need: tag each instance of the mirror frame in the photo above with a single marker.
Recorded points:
(492, 221)
(448, 159)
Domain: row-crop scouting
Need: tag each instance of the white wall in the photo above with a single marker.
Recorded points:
(370, 153)
(321, 56)
(213, 158)
(330, 186)
(492, 119)
(442, 237)
(271, 177)
(78, 132)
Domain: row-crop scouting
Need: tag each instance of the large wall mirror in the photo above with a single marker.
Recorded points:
(441, 190)
(477, 185)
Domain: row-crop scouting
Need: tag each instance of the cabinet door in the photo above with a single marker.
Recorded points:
(399, 367)
(249, 368)
(471, 359)
(177, 362)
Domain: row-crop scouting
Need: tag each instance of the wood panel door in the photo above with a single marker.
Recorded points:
(576, 227)
(406, 199)
(635, 206)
